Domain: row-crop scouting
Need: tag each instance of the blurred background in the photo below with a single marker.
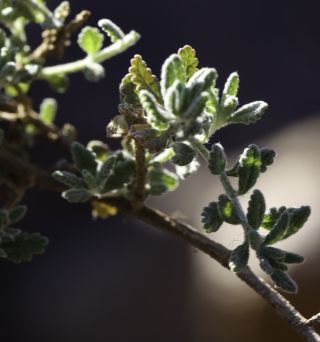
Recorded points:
(119, 280)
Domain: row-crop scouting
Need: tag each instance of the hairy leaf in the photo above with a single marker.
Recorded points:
(161, 181)
(256, 209)
(111, 29)
(69, 179)
(239, 257)
(249, 113)
(77, 195)
(172, 69)
(284, 281)
(90, 40)
(184, 154)
(143, 78)
(271, 217)
(227, 210)
(279, 230)
(249, 168)
(211, 218)
(267, 158)
(298, 218)
(48, 110)
(17, 213)
(83, 158)
(190, 62)
(217, 159)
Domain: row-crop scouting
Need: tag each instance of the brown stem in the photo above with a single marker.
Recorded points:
(164, 222)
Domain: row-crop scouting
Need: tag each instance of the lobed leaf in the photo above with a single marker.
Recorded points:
(111, 29)
(256, 209)
(68, 178)
(90, 40)
(188, 57)
(77, 195)
(184, 154)
(298, 218)
(211, 218)
(161, 181)
(279, 230)
(227, 211)
(284, 281)
(249, 113)
(83, 158)
(239, 257)
(143, 78)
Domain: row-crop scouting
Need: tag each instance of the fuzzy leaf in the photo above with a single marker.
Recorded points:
(161, 181)
(185, 171)
(172, 69)
(184, 154)
(143, 78)
(249, 168)
(48, 110)
(284, 281)
(255, 240)
(239, 257)
(111, 29)
(293, 258)
(89, 179)
(157, 116)
(297, 219)
(24, 246)
(271, 217)
(273, 253)
(201, 81)
(217, 159)
(267, 157)
(68, 179)
(190, 62)
(256, 209)
(77, 195)
(90, 40)
(249, 113)
(152, 139)
(83, 158)
(231, 86)
(211, 218)
(227, 211)
(278, 231)
(105, 171)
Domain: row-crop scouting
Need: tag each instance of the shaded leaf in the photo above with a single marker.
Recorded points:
(211, 218)
(17, 213)
(111, 29)
(284, 281)
(256, 209)
(227, 210)
(161, 181)
(48, 110)
(217, 159)
(249, 113)
(68, 179)
(271, 217)
(239, 257)
(298, 218)
(278, 231)
(184, 154)
(77, 195)
(83, 158)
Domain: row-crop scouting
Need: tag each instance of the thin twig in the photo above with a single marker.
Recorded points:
(313, 320)
(164, 222)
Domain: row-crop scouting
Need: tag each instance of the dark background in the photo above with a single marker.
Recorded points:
(118, 280)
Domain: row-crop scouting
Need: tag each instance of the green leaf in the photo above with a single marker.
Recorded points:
(105, 171)
(174, 98)
(227, 210)
(201, 81)
(239, 257)
(284, 281)
(249, 168)
(172, 69)
(89, 179)
(266, 265)
(293, 258)
(298, 218)
(273, 253)
(59, 83)
(231, 86)
(249, 113)
(217, 159)
(157, 116)
(94, 72)
(68, 178)
(255, 240)
(111, 29)
(90, 40)
(211, 218)
(188, 57)
(152, 139)
(77, 195)
(161, 181)
(17, 213)
(83, 158)
(24, 246)
(48, 110)
(271, 217)
(256, 209)
(185, 171)
(279, 230)
(143, 78)
(184, 154)
(267, 158)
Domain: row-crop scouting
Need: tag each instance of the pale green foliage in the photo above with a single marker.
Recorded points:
(90, 40)
(48, 110)
(111, 29)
